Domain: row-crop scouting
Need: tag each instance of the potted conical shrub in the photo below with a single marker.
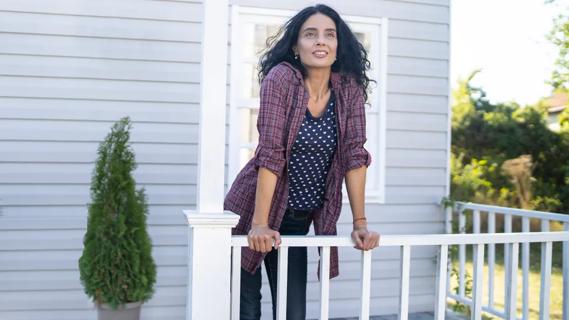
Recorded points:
(117, 269)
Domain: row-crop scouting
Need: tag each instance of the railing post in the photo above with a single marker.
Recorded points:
(475, 226)
(209, 235)
(282, 282)
(477, 282)
(448, 219)
(403, 313)
(209, 264)
(365, 285)
(476, 230)
(476, 221)
(235, 283)
(546, 250)
(512, 277)
(566, 275)
(491, 259)
(507, 229)
(324, 282)
(442, 268)
(544, 292)
(525, 271)
(448, 230)
(461, 253)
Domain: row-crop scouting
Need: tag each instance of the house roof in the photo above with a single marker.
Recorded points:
(557, 102)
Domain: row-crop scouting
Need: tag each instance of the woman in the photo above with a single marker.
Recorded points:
(311, 127)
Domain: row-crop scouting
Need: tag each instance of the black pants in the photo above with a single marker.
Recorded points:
(295, 222)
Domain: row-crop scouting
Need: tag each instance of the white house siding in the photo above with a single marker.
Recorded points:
(416, 156)
(68, 70)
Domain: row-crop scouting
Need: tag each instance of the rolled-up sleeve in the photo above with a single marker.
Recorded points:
(355, 154)
(270, 152)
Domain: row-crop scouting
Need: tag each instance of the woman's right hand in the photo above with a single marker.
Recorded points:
(260, 238)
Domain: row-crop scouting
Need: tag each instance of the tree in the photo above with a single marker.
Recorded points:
(117, 266)
(559, 36)
(486, 135)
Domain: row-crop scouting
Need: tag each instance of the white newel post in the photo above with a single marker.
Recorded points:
(209, 237)
(209, 265)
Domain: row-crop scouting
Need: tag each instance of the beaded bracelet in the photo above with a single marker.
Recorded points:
(361, 218)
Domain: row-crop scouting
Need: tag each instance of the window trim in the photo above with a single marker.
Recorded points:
(376, 134)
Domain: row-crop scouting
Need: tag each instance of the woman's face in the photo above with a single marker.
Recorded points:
(317, 42)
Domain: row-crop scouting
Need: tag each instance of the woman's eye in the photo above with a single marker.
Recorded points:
(331, 35)
(310, 34)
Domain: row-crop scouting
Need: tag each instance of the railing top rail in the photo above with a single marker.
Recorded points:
(512, 211)
(418, 239)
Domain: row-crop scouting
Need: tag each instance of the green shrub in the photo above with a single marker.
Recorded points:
(117, 265)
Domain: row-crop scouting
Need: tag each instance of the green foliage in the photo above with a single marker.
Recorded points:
(484, 135)
(459, 306)
(559, 36)
(474, 182)
(463, 107)
(447, 202)
(117, 265)
(564, 120)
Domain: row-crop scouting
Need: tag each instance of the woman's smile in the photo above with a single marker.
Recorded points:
(320, 53)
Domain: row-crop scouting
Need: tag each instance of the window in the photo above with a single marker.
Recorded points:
(250, 28)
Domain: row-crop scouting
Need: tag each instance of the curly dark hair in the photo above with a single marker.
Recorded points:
(351, 56)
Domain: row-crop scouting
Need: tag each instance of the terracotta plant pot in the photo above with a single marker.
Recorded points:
(129, 311)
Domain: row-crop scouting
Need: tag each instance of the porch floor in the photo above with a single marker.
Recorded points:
(414, 316)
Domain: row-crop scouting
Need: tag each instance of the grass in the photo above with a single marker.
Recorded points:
(556, 293)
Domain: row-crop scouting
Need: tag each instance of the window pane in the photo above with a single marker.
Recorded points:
(248, 124)
(364, 37)
(245, 154)
(262, 34)
(255, 88)
(250, 82)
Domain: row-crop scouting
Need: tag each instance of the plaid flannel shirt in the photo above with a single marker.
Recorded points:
(283, 105)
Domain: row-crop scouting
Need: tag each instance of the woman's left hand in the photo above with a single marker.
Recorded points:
(364, 239)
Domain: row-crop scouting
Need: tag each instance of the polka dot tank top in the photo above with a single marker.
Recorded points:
(311, 157)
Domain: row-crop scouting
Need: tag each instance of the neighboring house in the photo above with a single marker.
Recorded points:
(555, 106)
(69, 69)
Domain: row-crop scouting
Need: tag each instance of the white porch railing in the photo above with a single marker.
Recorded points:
(405, 242)
(474, 212)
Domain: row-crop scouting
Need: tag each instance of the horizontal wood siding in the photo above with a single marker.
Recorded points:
(68, 70)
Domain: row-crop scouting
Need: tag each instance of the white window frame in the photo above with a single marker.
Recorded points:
(376, 134)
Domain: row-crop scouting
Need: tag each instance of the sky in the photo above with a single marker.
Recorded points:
(506, 39)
